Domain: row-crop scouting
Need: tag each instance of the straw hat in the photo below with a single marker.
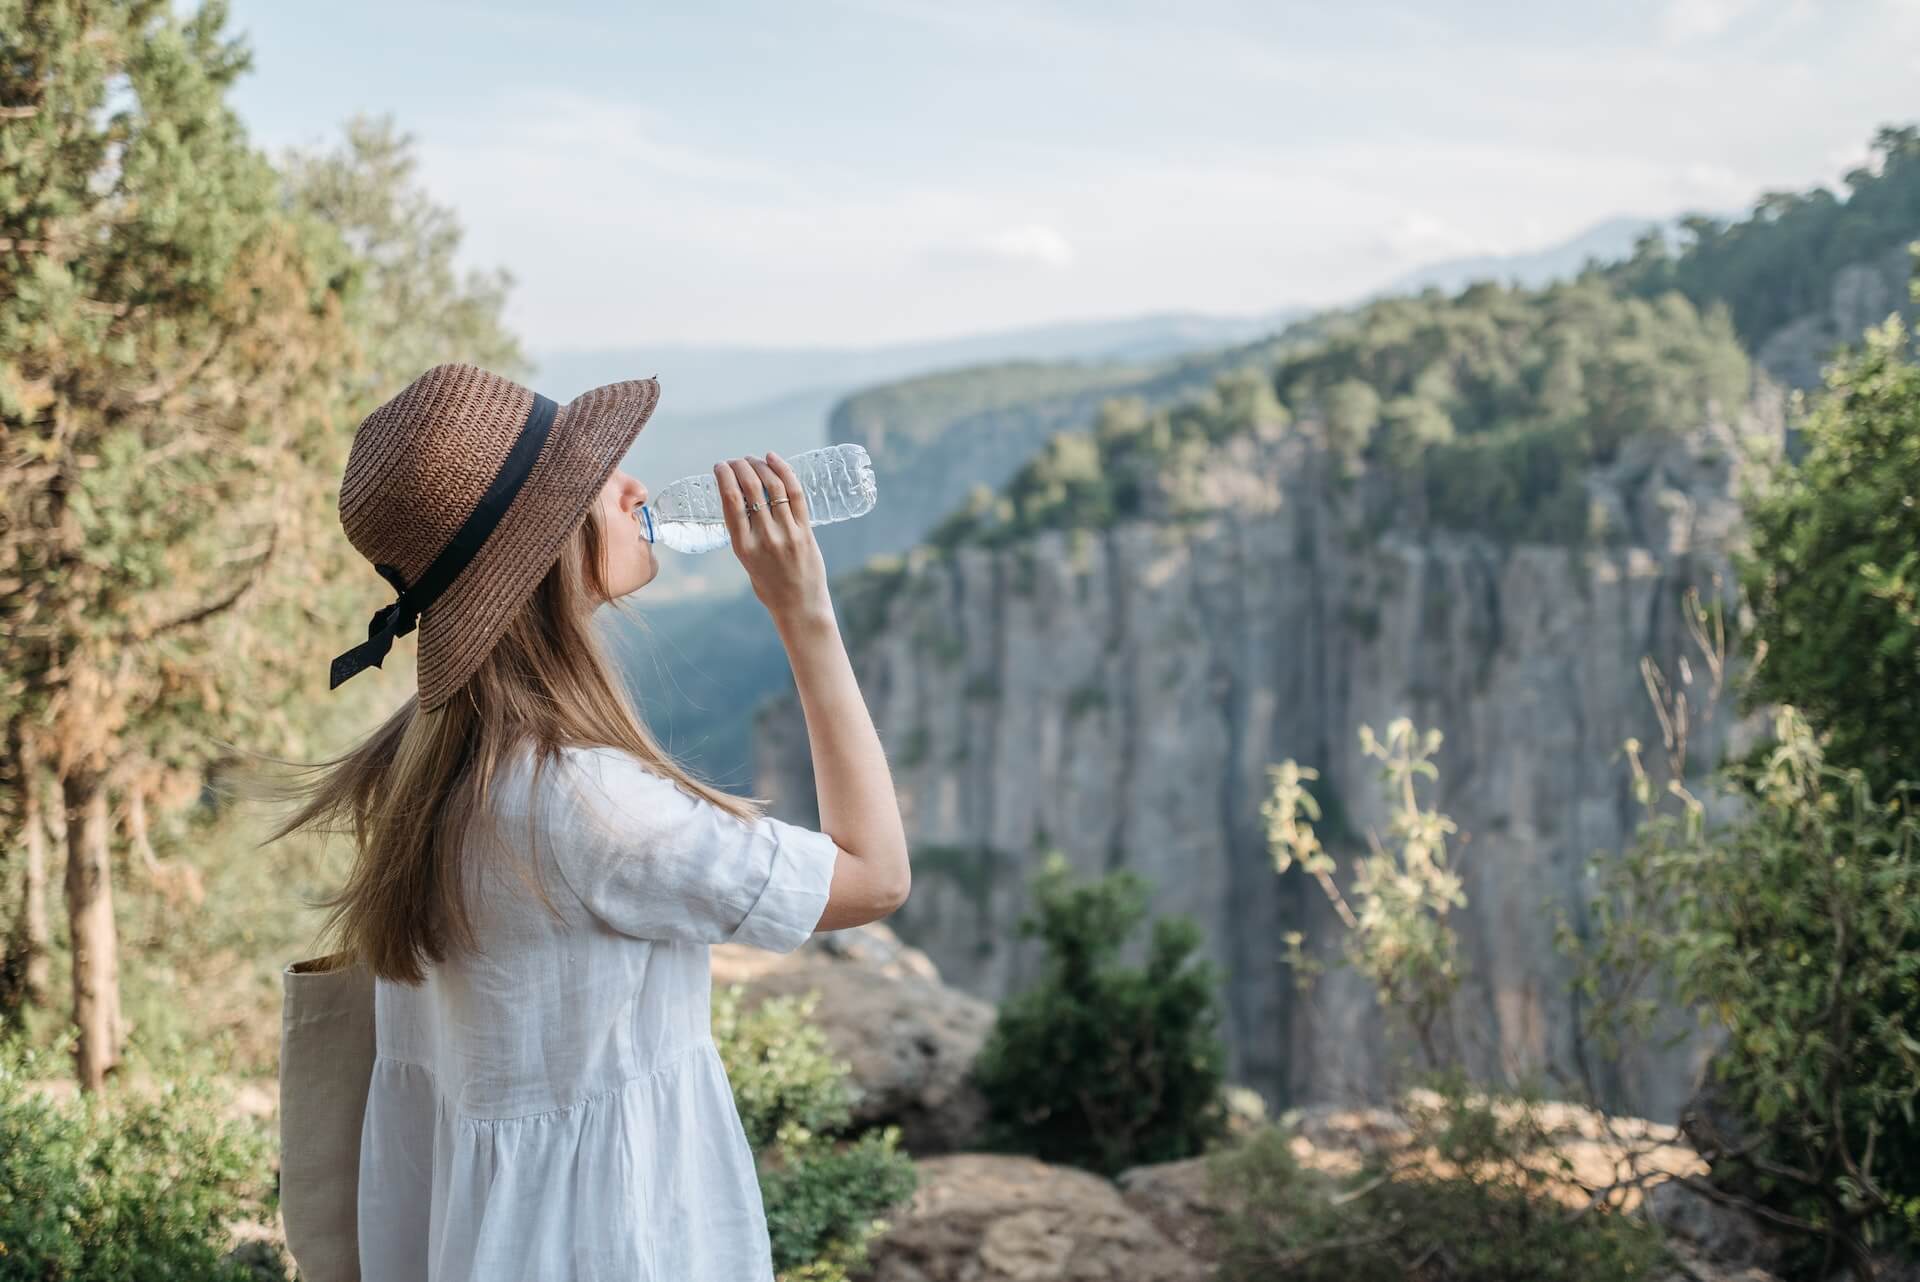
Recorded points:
(461, 490)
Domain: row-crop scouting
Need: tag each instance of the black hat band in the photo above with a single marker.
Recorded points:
(400, 618)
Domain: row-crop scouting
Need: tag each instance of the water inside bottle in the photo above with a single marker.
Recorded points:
(683, 535)
(838, 482)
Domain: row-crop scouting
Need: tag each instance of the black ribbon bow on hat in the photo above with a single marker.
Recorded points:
(400, 618)
(388, 623)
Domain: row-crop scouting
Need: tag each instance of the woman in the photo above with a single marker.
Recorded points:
(536, 882)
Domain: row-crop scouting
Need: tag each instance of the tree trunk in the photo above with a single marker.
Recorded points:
(34, 938)
(24, 970)
(96, 970)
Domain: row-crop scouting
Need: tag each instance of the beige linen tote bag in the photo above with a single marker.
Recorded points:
(326, 1061)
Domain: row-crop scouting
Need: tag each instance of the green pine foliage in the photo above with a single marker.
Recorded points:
(406, 301)
(170, 336)
(99, 1189)
(1099, 1064)
(826, 1195)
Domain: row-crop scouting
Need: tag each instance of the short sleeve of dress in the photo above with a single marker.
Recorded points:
(655, 862)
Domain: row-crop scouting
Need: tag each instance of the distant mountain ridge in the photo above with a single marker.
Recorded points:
(703, 378)
(1604, 242)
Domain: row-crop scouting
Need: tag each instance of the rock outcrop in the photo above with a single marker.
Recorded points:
(1120, 693)
(980, 1217)
(908, 1039)
(1859, 295)
(1732, 1239)
(992, 1218)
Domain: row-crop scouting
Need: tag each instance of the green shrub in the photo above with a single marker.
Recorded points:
(122, 1189)
(1101, 1065)
(1835, 573)
(822, 1200)
(825, 1198)
(1485, 1211)
(1793, 927)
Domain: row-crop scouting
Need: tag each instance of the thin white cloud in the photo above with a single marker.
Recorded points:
(621, 222)
(1001, 21)
(656, 248)
(1685, 20)
(556, 122)
(1417, 236)
(1028, 245)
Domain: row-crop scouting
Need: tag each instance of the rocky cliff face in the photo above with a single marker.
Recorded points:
(1120, 693)
(1858, 296)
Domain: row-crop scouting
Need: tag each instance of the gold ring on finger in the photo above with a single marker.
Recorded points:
(771, 502)
(752, 508)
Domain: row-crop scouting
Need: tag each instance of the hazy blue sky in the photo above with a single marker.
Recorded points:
(862, 171)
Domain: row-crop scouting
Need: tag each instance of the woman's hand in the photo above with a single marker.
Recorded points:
(776, 543)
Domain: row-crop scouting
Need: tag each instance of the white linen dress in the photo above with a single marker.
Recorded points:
(555, 1109)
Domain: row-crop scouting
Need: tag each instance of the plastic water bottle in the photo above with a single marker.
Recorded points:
(686, 516)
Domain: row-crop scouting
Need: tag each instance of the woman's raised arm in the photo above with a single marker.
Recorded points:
(852, 783)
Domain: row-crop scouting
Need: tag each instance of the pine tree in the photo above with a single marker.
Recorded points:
(169, 342)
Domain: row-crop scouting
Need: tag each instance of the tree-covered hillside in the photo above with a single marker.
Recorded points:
(901, 415)
(1496, 397)
(937, 438)
(1779, 262)
(1489, 405)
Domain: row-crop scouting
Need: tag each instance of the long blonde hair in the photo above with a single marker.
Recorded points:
(413, 791)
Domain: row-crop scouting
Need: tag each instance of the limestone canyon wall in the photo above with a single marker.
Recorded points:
(1120, 693)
